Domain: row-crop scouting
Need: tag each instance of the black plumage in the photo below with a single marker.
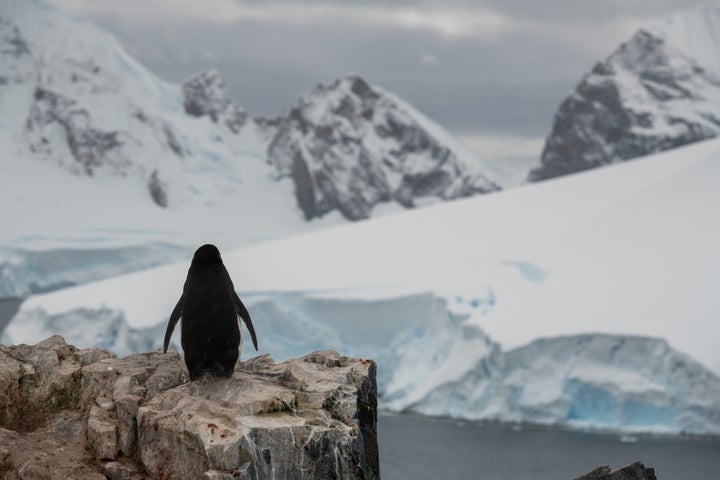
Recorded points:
(210, 311)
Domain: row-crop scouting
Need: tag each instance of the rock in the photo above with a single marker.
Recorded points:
(350, 145)
(39, 380)
(206, 94)
(121, 470)
(635, 471)
(55, 450)
(55, 115)
(15, 56)
(312, 417)
(157, 189)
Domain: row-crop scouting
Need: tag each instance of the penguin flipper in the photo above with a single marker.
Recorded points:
(242, 311)
(174, 317)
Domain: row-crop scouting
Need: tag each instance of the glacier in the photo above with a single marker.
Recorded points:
(24, 272)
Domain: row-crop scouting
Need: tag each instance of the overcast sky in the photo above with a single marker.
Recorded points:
(491, 71)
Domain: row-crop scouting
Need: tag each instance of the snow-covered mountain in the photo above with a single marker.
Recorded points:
(620, 263)
(75, 98)
(107, 169)
(659, 90)
(103, 160)
(206, 94)
(351, 145)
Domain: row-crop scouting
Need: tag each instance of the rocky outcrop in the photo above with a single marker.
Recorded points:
(205, 94)
(14, 54)
(69, 413)
(635, 471)
(646, 97)
(350, 145)
(54, 115)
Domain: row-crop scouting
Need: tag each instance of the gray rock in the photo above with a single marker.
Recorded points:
(15, 54)
(644, 98)
(90, 147)
(206, 94)
(122, 470)
(53, 450)
(635, 471)
(38, 380)
(158, 190)
(312, 417)
(349, 146)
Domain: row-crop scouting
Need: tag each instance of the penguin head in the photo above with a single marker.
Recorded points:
(206, 254)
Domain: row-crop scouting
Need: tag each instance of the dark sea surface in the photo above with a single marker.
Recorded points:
(414, 447)
(8, 308)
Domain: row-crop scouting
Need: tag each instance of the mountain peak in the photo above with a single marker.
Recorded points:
(357, 85)
(351, 145)
(649, 95)
(205, 94)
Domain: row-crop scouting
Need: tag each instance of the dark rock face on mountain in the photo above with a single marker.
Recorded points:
(206, 94)
(648, 96)
(350, 145)
(14, 53)
(90, 147)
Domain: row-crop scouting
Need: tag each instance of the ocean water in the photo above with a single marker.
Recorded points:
(417, 448)
(8, 308)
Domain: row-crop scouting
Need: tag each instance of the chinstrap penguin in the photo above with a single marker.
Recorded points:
(210, 311)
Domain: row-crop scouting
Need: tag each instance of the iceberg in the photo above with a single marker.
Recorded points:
(24, 272)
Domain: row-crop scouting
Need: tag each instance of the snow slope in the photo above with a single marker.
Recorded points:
(121, 136)
(101, 159)
(442, 295)
(696, 32)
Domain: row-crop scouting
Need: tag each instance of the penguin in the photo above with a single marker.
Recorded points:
(210, 311)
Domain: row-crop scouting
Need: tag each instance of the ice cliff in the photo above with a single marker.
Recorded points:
(306, 418)
(24, 272)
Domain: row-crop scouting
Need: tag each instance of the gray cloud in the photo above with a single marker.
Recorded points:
(587, 12)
